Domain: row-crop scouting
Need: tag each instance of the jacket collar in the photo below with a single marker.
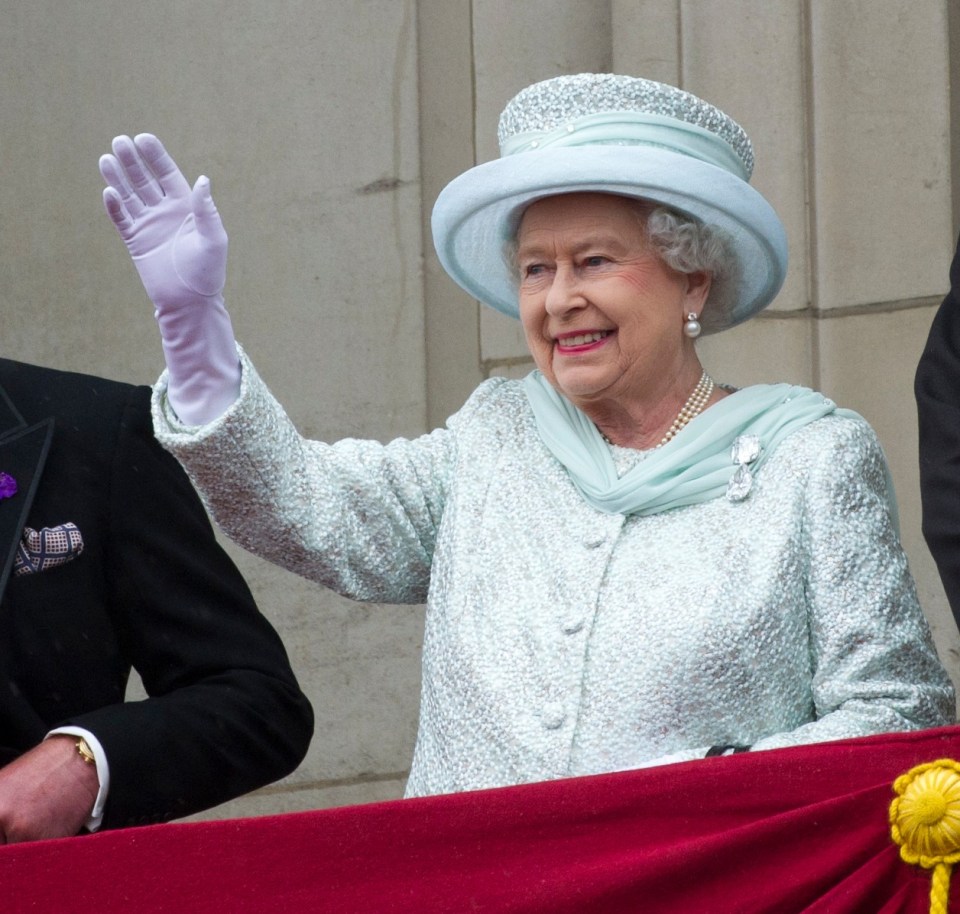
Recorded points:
(23, 452)
(10, 420)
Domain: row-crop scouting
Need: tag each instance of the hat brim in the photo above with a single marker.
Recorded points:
(478, 213)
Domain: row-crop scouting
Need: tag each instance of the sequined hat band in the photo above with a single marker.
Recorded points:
(628, 128)
(553, 103)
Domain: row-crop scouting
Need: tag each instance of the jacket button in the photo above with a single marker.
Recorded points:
(554, 714)
(593, 540)
(572, 626)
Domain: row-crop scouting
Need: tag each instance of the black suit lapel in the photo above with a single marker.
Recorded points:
(10, 420)
(23, 451)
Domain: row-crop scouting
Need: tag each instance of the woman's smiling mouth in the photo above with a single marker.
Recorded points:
(580, 342)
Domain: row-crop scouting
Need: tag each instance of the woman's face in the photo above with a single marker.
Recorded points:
(603, 316)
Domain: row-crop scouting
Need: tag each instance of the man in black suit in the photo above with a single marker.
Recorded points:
(107, 562)
(937, 389)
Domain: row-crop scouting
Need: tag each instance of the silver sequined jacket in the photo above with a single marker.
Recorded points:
(561, 641)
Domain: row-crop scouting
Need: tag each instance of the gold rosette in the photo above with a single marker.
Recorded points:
(925, 823)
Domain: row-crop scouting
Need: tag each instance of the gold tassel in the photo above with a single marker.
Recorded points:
(925, 823)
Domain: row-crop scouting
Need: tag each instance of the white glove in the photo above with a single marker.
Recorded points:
(179, 247)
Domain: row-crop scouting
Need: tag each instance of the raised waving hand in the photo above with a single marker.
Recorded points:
(179, 246)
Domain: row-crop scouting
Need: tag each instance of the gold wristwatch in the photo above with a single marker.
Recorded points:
(86, 753)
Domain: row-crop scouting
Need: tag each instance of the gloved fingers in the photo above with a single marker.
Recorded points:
(202, 265)
(138, 175)
(205, 213)
(113, 174)
(117, 212)
(161, 164)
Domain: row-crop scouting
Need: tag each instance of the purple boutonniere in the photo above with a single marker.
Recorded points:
(8, 485)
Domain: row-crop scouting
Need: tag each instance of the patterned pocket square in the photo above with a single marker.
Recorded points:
(40, 550)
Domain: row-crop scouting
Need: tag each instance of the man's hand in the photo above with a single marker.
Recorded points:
(179, 246)
(48, 792)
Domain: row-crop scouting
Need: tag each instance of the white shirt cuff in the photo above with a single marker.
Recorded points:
(103, 772)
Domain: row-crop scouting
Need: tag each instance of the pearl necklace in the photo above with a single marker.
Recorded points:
(693, 407)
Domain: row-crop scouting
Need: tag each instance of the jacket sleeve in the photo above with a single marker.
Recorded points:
(874, 668)
(225, 714)
(359, 517)
(937, 389)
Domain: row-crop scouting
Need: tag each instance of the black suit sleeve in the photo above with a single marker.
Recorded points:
(225, 714)
(937, 388)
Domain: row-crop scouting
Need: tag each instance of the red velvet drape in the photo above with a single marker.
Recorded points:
(795, 830)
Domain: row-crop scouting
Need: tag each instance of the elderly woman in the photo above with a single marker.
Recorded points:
(624, 563)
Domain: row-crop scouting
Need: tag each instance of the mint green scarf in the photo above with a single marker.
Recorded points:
(696, 466)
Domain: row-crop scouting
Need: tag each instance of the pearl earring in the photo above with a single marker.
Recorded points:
(692, 327)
